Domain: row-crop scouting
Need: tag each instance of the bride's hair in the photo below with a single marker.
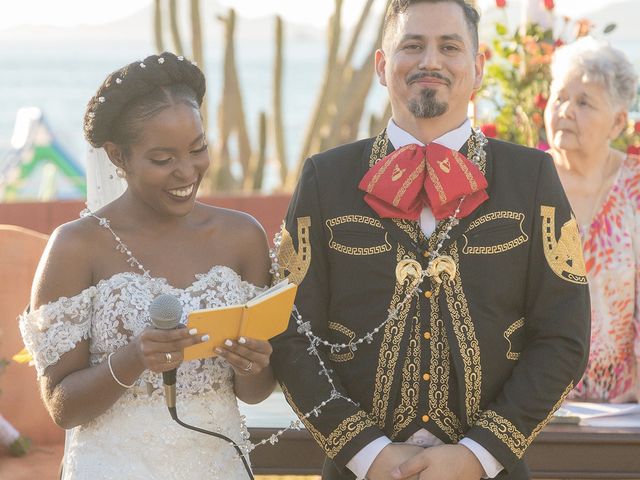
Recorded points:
(138, 91)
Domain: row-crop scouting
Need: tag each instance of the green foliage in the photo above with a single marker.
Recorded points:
(517, 79)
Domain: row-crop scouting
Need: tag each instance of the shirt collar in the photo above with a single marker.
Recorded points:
(454, 139)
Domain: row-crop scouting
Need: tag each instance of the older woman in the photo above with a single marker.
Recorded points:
(592, 89)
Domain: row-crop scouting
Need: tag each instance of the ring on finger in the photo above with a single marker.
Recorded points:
(249, 367)
(168, 357)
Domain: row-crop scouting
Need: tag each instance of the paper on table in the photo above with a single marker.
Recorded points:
(603, 414)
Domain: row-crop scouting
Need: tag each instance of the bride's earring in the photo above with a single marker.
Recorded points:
(121, 173)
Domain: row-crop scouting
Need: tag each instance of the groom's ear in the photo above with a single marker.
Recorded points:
(115, 154)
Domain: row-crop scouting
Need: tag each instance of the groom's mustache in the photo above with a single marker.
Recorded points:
(414, 77)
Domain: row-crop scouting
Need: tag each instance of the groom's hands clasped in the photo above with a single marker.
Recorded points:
(444, 462)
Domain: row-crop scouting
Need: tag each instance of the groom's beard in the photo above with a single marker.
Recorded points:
(427, 106)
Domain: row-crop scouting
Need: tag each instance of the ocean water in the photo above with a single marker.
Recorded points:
(60, 79)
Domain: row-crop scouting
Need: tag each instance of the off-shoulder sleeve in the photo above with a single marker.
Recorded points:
(56, 328)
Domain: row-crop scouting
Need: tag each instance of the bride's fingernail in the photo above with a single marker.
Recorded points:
(205, 338)
(193, 331)
(228, 343)
(242, 340)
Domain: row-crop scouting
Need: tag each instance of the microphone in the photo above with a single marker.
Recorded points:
(165, 312)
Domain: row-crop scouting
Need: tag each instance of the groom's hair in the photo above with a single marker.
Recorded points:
(137, 92)
(399, 7)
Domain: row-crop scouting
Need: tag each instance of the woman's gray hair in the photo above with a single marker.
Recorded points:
(599, 62)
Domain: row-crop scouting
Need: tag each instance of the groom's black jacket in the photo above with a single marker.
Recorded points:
(490, 357)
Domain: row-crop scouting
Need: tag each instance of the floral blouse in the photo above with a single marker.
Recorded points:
(612, 257)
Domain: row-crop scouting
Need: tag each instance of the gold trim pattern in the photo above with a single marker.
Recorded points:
(296, 262)
(389, 352)
(406, 411)
(465, 169)
(465, 333)
(507, 433)
(363, 219)
(315, 433)
(439, 369)
(385, 166)
(495, 249)
(436, 183)
(350, 334)
(357, 251)
(346, 431)
(507, 336)
(407, 183)
(379, 148)
(564, 256)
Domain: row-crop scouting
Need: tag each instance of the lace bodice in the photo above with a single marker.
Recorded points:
(115, 310)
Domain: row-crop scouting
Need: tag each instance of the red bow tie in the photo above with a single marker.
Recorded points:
(400, 184)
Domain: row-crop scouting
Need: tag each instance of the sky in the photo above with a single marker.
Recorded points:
(92, 12)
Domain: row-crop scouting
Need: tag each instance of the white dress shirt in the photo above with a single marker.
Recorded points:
(362, 461)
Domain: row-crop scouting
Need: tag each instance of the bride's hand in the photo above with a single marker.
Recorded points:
(163, 350)
(247, 356)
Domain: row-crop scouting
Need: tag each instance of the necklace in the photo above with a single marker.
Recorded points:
(121, 247)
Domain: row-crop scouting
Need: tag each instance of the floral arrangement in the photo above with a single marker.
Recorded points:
(511, 103)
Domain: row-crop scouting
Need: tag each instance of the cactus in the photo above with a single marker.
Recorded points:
(278, 122)
(337, 112)
(175, 31)
(157, 25)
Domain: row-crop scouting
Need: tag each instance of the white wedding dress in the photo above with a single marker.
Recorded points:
(136, 438)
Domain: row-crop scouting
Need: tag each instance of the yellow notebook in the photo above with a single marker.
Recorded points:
(263, 317)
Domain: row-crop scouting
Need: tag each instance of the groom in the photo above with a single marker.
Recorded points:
(440, 274)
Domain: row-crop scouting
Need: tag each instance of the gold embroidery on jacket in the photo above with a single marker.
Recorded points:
(564, 256)
(507, 433)
(511, 355)
(494, 249)
(346, 431)
(389, 352)
(315, 433)
(296, 263)
(379, 148)
(353, 250)
(465, 333)
(350, 334)
(439, 369)
(405, 412)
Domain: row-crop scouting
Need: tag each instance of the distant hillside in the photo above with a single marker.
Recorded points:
(137, 29)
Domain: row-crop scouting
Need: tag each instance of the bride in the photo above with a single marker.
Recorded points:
(97, 358)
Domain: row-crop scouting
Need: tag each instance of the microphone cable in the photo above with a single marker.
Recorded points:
(174, 414)
(165, 312)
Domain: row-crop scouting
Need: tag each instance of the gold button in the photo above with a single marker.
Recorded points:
(427, 335)
(426, 377)
(425, 254)
(427, 294)
(425, 418)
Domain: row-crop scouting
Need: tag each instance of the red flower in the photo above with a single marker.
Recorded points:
(486, 51)
(549, 5)
(489, 130)
(501, 3)
(633, 149)
(540, 101)
(558, 43)
(636, 127)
